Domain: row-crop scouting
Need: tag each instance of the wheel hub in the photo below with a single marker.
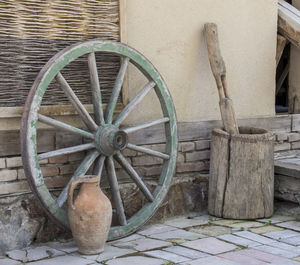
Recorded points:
(109, 139)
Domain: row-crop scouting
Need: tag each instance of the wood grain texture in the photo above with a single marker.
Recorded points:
(218, 68)
(281, 42)
(243, 166)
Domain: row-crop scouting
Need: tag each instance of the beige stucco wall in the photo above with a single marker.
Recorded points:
(170, 34)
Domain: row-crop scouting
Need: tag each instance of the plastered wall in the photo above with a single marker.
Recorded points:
(170, 34)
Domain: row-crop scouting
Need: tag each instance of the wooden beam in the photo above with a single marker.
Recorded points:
(281, 42)
(289, 22)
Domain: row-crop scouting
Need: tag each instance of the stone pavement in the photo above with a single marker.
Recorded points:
(191, 240)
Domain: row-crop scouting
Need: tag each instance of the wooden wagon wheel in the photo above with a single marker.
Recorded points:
(106, 137)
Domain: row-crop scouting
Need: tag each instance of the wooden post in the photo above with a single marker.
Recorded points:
(241, 184)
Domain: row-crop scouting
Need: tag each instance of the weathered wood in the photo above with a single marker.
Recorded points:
(131, 105)
(145, 125)
(283, 76)
(135, 177)
(148, 151)
(98, 167)
(116, 91)
(242, 174)
(95, 86)
(217, 65)
(86, 118)
(113, 182)
(281, 42)
(64, 126)
(289, 22)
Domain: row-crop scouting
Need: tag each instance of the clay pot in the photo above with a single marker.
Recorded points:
(89, 215)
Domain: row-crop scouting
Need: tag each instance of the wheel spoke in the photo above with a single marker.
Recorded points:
(148, 151)
(134, 175)
(98, 167)
(145, 125)
(112, 179)
(66, 151)
(96, 92)
(81, 170)
(116, 91)
(64, 126)
(130, 106)
(87, 119)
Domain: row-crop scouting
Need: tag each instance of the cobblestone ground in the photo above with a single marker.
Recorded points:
(183, 240)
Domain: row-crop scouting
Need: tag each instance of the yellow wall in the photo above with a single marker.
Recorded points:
(170, 34)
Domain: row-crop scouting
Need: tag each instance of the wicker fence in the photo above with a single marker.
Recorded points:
(32, 31)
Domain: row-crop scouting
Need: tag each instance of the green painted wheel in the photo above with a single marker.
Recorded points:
(104, 134)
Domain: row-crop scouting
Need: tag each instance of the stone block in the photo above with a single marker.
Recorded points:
(293, 137)
(156, 147)
(275, 219)
(178, 234)
(166, 256)
(146, 161)
(57, 182)
(245, 225)
(6, 261)
(63, 260)
(21, 174)
(50, 171)
(295, 240)
(211, 230)
(241, 259)
(210, 245)
(197, 156)
(280, 137)
(59, 159)
(2, 163)
(190, 167)
(295, 145)
(186, 146)
(211, 261)
(14, 187)
(282, 147)
(14, 161)
(287, 247)
(184, 222)
(180, 158)
(156, 229)
(78, 156)
(8, 174)
(10, 143)
(265, 229)
(202, 145)
(152, 171)
(68, 169)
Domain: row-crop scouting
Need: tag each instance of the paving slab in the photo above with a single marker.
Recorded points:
(245, 225)
(265, 229)
(184, 222)
(210, 245)
(277, 251)
(275, 219)
(236, 256)
(211, 230)
(211, 261)
(239, 240)
(143, 244)
(17, 254)
(155, 229)
(177, 234)
(255, 237)
(282, 234)
(166, 256)
(295, 240)
(68, 247)
(186, 252)
(42, 252)
(6, 261)
(293, 249)
(62, 260)
(226, 222)
(111, 252)
(293, 225)
(262, 256)
(136, 260)
(127, 239)
(285, 262)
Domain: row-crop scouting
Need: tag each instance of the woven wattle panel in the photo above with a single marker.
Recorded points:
(32, 31)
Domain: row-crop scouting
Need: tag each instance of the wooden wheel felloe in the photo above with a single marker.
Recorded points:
(105, 137)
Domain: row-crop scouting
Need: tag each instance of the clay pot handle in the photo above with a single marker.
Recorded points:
(74, 183)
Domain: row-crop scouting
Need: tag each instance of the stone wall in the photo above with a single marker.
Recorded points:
(22, 220)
